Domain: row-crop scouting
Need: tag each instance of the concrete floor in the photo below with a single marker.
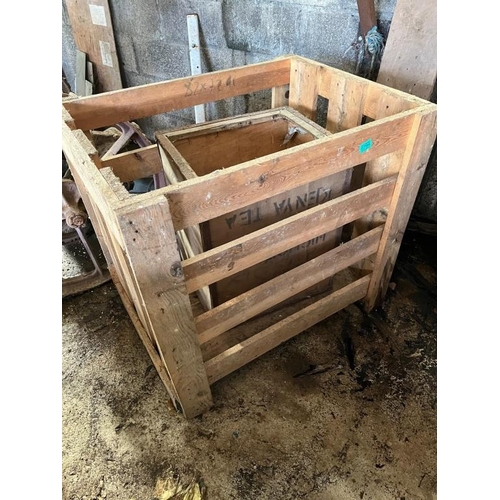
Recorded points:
(345, 410)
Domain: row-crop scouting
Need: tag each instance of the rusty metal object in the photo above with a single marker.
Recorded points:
(76, 218)
(72, 206)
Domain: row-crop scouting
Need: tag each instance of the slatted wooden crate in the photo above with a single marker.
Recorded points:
(377, 142)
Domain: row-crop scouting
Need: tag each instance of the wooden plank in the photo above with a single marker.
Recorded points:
(68, 119)
(346, 103)
(93, 34)
(234, 312)
(329, 76)
(151, 247)
(409, 62)
(220, 192)
(279, 96)
(413, 167)
(136, 164)
(171, 158)
(115, 184)
(251, 249)
(304, 86)
(248, 350)
(379, 168)
(223, 124)
(81, 70)
(152, 99)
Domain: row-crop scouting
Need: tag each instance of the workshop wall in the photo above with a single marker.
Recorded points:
(152, 45)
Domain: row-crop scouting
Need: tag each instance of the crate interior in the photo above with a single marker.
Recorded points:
(211, 149)
(226, 143)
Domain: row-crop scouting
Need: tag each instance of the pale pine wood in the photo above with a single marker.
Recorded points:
(151, 249)
(248, 350)
(114, 183)
(89, 38)
(416, 157)
(304, 86)
(329, 75)
(170, 159)
(346, 102)
(136, 164)
(229, 142)
(381, 167)
(143, 262)
(156, 98)
(234, 312)
(198, 200)
(251, 249)
(278, 96)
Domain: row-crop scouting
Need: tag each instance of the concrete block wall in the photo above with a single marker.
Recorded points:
(152, 42)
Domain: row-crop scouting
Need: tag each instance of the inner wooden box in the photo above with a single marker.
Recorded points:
(195, 151)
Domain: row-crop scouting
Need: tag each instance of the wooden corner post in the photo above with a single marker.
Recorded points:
(416, 156)
(155, 262)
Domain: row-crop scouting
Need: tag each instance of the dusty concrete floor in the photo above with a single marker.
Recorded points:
(345, 410)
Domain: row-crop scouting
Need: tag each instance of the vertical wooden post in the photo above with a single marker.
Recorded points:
(279, 96)
(151, 247)
(416, 156)
(304, 84)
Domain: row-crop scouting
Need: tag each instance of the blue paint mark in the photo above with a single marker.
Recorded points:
(365, 146)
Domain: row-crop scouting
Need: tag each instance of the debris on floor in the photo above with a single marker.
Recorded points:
(171, 488)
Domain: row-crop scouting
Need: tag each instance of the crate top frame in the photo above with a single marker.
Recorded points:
(351, 99)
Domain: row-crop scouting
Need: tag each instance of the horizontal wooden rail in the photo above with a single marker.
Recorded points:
(246, 351)
(230, 258)
(226, 190)
(235, 311)
(136, 164)
(109, 108)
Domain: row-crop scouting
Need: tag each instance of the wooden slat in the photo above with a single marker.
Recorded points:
(223, 124)
(255, 346)
(150, 245)
(135, 164)
(68, 119)
(93, 34)
(304, 86)
(234, 312)
(279, 96)
(329, 76)
(413, 167)
(346, 102)
(380, 168)
(308, 125)
(220, 192)
(114, 183)
(171, 157)
(155, 98)
(257, 246)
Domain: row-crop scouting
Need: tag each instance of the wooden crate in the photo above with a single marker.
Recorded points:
(377, 142)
